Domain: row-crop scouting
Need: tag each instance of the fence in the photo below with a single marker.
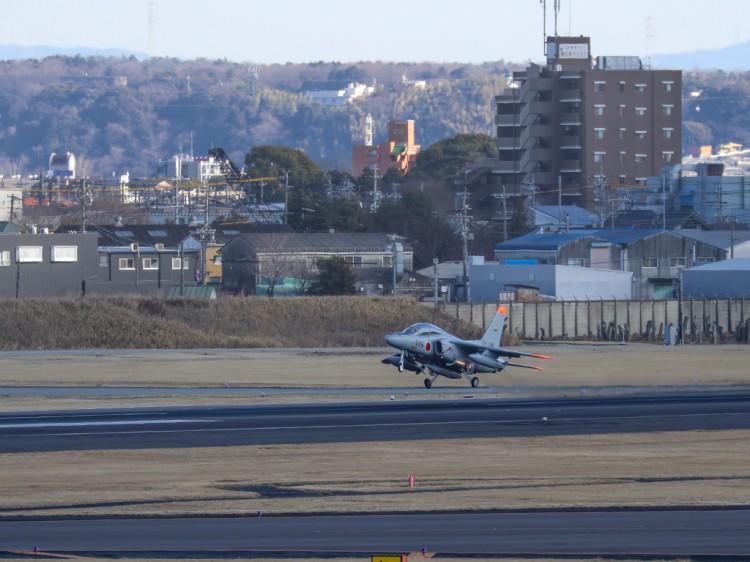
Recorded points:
(707, 320)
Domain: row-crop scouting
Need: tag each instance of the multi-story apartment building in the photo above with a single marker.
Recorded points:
(580, 122)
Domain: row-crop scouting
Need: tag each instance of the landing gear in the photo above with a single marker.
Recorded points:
(474, 382)
(428, 383)
(401, 363)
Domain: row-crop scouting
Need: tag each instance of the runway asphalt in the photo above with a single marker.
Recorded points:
(715, 534)
(369, 421)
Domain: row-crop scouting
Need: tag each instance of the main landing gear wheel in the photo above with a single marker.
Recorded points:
(427, 383)
(474, 382)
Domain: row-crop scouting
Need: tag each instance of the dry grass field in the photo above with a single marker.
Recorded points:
(649, 469)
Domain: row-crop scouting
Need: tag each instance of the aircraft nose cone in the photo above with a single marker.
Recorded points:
(392, 340)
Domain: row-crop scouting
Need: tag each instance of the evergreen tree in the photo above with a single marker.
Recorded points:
(336, 278)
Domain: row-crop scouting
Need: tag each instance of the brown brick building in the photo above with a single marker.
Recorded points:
(400, 151)
(581, 121)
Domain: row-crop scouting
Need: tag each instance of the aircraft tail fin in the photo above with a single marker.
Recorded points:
(494, 333)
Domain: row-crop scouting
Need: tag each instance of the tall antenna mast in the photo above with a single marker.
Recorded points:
(650, 36)
(544, 24)
(556, 9)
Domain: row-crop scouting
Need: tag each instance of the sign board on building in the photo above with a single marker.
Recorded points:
(573, 51)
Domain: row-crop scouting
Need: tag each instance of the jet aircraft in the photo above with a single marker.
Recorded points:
(426, 347)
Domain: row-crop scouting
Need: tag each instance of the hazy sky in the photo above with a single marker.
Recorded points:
(270, 31)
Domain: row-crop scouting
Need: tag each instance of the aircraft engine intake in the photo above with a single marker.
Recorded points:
(446, 351)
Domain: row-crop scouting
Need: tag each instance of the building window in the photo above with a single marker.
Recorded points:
(599, 157)
(667, 133)
(622, 134)
(599, 109)
(622, 157)
(150, 263)
(64, 254)
(678, 261)
(126, 263)
(599, 86)
(640, 157)
(176, 263)
(666, 156)
(599, 133)
(622, 110)
(104, 261)
(623, 180)
(578, 262)
(5, 258)
(640, 111)
(641, 181)
(667, 109)
(667, 86)
(704, 259)
(650, 262)
(29, 254)
(640, 87)
(640, 135)
(622, 87)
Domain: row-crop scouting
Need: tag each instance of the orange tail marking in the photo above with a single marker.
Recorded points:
(502, 310)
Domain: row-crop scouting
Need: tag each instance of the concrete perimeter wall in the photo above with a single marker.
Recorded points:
(705, 320)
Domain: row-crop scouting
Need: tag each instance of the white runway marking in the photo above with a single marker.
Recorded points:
(92, 423)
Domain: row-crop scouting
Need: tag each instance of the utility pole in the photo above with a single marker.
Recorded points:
(435, 281)
(85, 200)
(206, 234)
(374, 189)
(503, 197)
(465, 246)
(286, 196)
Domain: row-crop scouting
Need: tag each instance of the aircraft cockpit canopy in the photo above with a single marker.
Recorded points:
(423, 329)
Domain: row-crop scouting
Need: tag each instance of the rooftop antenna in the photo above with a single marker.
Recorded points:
(650, 37)
(556, 9)
(544, 24)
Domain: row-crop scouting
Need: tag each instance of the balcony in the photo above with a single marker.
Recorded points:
(507, 120)
(507, 143)
(571, 167)
(571, 142)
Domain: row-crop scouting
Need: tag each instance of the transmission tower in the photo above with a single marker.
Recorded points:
(152, 21)
(368, 130)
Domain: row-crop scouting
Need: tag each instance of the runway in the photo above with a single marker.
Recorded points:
(369, 421)
(712, 533)
(670, 533)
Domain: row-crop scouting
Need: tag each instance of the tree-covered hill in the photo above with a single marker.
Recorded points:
(123, 114)
(119, 114)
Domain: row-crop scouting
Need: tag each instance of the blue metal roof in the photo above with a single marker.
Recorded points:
(551, 241)
(544, 240)
(576, 214)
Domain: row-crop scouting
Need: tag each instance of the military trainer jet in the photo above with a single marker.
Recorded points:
(426, 347)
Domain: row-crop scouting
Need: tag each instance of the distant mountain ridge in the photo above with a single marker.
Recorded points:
(731, 58)
(19, 52)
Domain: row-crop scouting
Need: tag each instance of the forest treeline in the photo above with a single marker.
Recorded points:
(122, 114)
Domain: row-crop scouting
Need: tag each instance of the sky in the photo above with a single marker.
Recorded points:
(300, 31)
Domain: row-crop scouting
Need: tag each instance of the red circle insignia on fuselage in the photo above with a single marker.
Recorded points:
(427, 346)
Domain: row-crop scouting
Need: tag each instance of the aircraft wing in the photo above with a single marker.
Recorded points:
(474, 346)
